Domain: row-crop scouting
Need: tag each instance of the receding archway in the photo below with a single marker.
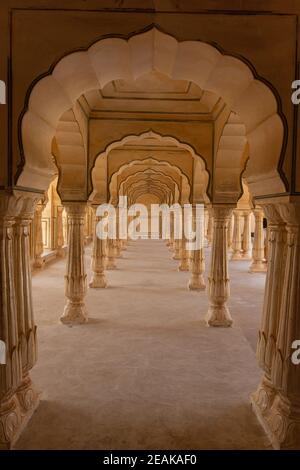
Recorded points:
(201, 189)
(115, 58)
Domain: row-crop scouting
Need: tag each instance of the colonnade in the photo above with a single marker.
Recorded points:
(81, 227)
(277, 400)
(239, 240)
(48, 229)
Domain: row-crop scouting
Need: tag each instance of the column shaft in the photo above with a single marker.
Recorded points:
(60, 232)
(17, 328)
(184, 256)
(38, 237)
(98, 279)
(218, 287)
(230, 233)
(237, 237)
(75, 278)
(111, 254)
(197, 259)
(277, 399)
(177, 249)
(247, 244)
(210, 226)
(27, 395)
(258, 264)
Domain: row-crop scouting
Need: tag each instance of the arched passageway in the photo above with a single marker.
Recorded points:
(227, 125)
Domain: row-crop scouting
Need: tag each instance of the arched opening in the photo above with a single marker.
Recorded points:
(160, 121)
(217, 74)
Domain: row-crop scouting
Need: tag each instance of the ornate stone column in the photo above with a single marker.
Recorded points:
(277, 400)
(111, 254)
(246, 244)
(98, 279)
(17, 328)
(177, 249)
(184, 256)
(266, 245)
(218, 287)
(285, 373)
(258, 264)
(237, 237)
(11, 372)
(75, 278)
(197, 260)
(27, 395)
(171, 240)
(210, 227)
(85, 228)
(206, 216)
(265, 394)
(60, 233)
(230, 233)
(117, 241)
(38, 236)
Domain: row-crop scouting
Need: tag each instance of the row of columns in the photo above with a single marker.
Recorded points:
(239, 242)
(37, 234)
(60, 242)
(277, 400)
(105, 253)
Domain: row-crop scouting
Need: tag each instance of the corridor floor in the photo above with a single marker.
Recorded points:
(145, 372)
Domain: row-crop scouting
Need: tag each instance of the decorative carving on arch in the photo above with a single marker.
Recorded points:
(185, 189)
(111, 58)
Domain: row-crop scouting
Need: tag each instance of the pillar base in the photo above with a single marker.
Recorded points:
(98, 281)
(278, 417)
(60, 253)
(197, 283)
(236, 256)
(183, 267)
(218, 316)
(258, 268)
(38, 263)
(15, 413)
(74, 314)
(247, 256)
(110, 265)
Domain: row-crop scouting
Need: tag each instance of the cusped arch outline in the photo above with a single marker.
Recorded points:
(112, 58)
(112, 182)
(141, 174)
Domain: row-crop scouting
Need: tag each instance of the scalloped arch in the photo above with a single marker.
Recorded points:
(113, 181)
(115, 58)
(142, 174)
